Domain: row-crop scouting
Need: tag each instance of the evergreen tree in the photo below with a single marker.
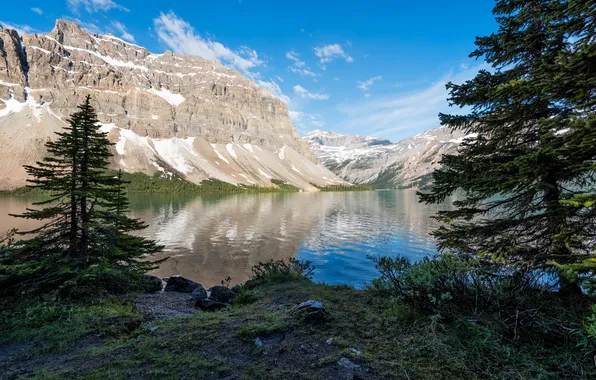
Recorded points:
(86, 232)
(119, 248)
(530, 154)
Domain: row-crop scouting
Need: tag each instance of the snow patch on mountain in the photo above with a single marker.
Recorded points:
(168, 96)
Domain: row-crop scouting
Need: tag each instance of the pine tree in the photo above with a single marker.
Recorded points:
(118, 247)
(86, 232)
(531, 146)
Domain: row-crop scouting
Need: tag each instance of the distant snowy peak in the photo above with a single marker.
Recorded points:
(380, 162)
(344, 140)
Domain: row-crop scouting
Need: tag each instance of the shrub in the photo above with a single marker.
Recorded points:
(444, 284)
(246, 297)
(449, 287)
(280, 271)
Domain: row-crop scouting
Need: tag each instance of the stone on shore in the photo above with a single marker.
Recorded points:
(181, 284)
(154, 283)
(199, 293)
(222, 294)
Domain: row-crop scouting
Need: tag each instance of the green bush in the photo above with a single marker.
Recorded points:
(246, 296)
(513, 305)
(445, 284)
(280, 271)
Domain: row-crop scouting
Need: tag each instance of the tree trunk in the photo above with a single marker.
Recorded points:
(569, 289)
(84, 193)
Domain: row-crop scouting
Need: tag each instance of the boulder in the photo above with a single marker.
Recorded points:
(153, 283)
(315, 311)
(310, 305)
(180, 284)
(222, 294)
(199, 293)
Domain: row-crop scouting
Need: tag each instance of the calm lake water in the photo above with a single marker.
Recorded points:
(208, 238)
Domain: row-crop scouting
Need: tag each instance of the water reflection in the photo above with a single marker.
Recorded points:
(211, 238)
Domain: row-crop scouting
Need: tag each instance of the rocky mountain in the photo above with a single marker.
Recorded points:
(381, 163)
(167, 113)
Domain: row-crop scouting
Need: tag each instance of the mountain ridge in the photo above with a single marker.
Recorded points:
(165, 112)
(380, 162)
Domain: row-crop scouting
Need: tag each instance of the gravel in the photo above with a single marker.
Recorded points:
(161, 305)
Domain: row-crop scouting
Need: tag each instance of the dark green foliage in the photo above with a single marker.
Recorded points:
(156, 184)
(532, 144)
(85, 243)
(280, 271)
(455, 284)
(284, 186)
(344, 187)
(485, 303)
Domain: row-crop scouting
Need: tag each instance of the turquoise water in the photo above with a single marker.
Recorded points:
(209, 238)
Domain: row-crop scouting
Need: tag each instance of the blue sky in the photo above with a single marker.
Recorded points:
(364, 67)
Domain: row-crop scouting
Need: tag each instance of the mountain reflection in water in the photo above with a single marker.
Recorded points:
(209, 238)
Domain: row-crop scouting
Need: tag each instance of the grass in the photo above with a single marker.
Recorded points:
(88, 342)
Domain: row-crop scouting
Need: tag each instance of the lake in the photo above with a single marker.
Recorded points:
(209, 238)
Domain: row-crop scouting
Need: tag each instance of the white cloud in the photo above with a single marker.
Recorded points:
(303, 72)
(464, 66)
(305, 121)
(274, 88)
(327, 53)
(280, 79)
(367, 95)
(181, 37)
(292, 55)
(123, 32)
(335, 78)
(405, 113)
(367, 83)
(21, 29)
(304, 93)
(93, 6)
(299, 67)
(37, 10)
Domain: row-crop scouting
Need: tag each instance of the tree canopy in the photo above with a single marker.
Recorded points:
(84, 233)
(526, 170)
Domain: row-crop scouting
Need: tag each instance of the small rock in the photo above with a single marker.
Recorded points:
(347, 364)
(154, 283)
(209, 305)
(154, 328)
(355, 351)
(258, 342)
(180, 284)
(199, 293)
(222, 294)
(316, 317)
(329, 341)
(310, 304)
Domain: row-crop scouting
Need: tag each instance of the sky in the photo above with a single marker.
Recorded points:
(367, 67)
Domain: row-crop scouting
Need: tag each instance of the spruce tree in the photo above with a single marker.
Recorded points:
(85, 234)
(117, 246)
(527, 167)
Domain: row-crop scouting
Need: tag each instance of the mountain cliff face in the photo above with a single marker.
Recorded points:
(166, 113)
(378, 162)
